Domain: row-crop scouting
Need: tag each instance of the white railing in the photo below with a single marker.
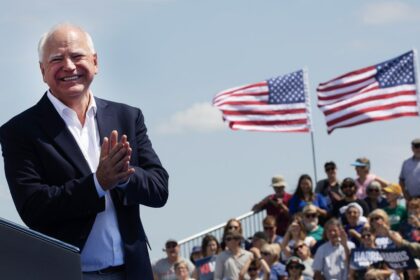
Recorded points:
(251, 223)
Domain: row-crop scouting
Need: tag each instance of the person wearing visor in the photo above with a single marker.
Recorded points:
(365, 177)
(276, 204)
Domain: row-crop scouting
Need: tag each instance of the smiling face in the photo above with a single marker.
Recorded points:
(306, 186)
(68, 65)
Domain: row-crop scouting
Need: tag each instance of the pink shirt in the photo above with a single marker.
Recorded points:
(361, 188)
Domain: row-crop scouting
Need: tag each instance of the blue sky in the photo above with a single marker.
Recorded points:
(170, 57)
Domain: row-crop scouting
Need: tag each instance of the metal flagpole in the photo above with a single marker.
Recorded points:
(311, 129)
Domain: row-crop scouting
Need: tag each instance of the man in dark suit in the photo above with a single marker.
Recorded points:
(70, 174)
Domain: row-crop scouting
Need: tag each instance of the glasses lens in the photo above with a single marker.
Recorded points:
(373, 190)
(252, 269)
(268, 227)
(416, 146)
(310, 216)
(293, 266)
(233, 227)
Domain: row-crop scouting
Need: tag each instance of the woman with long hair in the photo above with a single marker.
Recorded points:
(305, 195)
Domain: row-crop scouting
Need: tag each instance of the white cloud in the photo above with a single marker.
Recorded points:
(201, 117)
(387, 12)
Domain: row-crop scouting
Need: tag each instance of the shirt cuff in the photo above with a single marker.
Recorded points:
(123, 185)
(98, 187)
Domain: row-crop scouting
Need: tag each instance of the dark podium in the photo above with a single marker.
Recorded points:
(27, 254)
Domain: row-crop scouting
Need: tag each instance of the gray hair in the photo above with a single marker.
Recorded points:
(46, 36)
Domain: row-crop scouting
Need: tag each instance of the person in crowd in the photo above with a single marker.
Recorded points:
(295, 268)
(210, 247)
(258, 240)
(270, 253)
(195, 254)
(253, 269)
(374, 198)
(304, 195)
(355, 221)
(349, 189)
(295, 232)
(400, 242)
(367, 241)
(310, 222)
(231, 225)
(276, 204)
(302, 251)
(230, 261)
(164, 269)
(365, 177)
(182, 270)
(79, 166)
(380, 274)
(330, 261)
(410, 172)
(330, 186)
(379, 224)
(270, 229)
(396, 212)
(410, 229)
(263, 269)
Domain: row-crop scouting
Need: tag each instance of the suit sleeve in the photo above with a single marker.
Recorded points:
(42, 196)
(149, 184)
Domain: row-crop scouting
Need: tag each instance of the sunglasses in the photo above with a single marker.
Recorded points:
(294, 266)
(373, 190)
(346, 186)
(231, 238)
(376, 218)
(171, 245)
(311, 216)
(252, 269)
(299, 247)
(268, 227)
(416, 146)
(328, 169)
(233, 227)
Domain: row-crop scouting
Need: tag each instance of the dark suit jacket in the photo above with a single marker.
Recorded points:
(53, 188)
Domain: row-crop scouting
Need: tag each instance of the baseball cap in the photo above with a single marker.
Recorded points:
(393, 188)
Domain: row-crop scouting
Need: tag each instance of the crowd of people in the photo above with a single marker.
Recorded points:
(355, 228)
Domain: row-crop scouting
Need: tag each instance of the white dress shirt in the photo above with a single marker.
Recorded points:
(104, 246)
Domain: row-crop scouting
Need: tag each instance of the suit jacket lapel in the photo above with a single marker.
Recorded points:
(51, 122)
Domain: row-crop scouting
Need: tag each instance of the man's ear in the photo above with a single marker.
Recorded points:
(41, 67)
(95, 62)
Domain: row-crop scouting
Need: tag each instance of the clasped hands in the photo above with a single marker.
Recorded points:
(114, 161)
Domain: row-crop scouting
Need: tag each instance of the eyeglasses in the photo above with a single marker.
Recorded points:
(268, 228)
(299, 247)
(227, 239)
(266, 253)
(233, 227)
(376, 218)
(294, 266)
(311, 216)
(171, 245)
(416, 146)
(346, 186)
(252, 269)
(373, 190)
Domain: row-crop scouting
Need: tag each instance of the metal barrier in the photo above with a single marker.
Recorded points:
(251, 223)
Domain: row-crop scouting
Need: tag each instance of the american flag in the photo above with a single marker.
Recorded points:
(278, 104)
(380, 92)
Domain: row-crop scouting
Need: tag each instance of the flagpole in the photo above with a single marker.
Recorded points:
(311, 129)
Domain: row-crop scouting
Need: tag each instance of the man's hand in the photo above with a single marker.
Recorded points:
(114, 161)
